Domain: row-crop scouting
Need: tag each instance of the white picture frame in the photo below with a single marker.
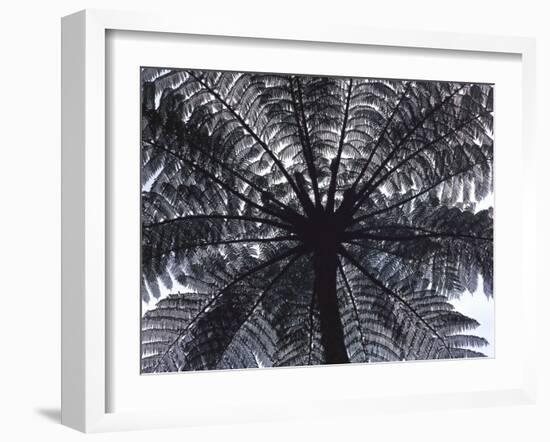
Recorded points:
(85, 310)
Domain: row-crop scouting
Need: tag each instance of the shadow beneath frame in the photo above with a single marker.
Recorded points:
(51, 414)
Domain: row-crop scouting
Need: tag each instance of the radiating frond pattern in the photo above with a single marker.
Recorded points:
(312, 220)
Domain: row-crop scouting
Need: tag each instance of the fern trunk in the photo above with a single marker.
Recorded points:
(332, 333)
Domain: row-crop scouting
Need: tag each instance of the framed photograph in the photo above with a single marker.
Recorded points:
(277, 222)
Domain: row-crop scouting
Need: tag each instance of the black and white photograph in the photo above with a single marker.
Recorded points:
(294, 220)
(291, 220)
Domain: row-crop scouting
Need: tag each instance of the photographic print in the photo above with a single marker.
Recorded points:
(294, 220)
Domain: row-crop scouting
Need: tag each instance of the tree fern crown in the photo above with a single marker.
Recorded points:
(301, 220)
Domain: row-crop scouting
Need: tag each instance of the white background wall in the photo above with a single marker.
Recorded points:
(30, 220)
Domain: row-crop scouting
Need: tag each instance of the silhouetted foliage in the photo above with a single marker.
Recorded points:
(312, 220)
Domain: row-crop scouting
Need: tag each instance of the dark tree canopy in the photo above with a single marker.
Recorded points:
(312, 220)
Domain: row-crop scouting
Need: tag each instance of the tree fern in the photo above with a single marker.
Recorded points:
(312, 220)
